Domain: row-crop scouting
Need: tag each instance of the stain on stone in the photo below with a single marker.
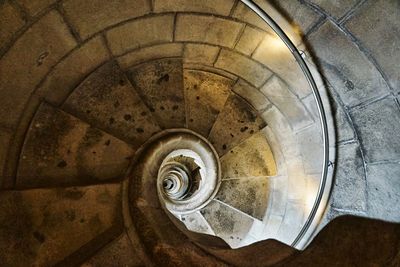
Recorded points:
(232, 135)
(198, 97)
(139, 130)
(41, 58)
(223, 146)
(175, 107)
(152, 109)
(144, 113)
(70, 215)
(62, 164)
(39, 236)
(88, 111)
(107, 143)
(111, 120)
(71, 193)
(163, 78)
(251, 131)
(127, 117)
(116, 104)
(122, 82)
(243, 129)
(162, 108)
(191, 120)
(82, 220)
(349, 85)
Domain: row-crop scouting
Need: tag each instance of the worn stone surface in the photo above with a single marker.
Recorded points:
(131, 35)
(207, 29)
(5, 140)
(61, 150)
(292, 222)
(90, 17)
(274, 54)
(221, 72)
(383, 39)
(257, 99)
(43, 226)
(250, 70)
(142, 55)
(249, 195)
(160, 85)
(339, 56)
(39, 48)
(288, 103)
(107, 100)
(336, 9)
(66, 75)
(349, 191)
(197, 223)
(200, 53)
(378, 127)
(35, 7)
(384, 191)
(229, 224)
(311, 148)
(249, 40)
(252, 158)
(10, 20)
(118, 253)
(222, 7)
(237, 122)
(205, 96)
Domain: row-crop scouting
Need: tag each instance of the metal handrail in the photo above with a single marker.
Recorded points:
(275, 27)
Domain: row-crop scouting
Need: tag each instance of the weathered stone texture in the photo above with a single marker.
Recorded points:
(90, 17)
(72, 70)
(349, 191)
(10, 20)
(250, 70)
(249, 40)
(141, 32)
(337, 8)
(39, 48)
(377, 26)
(221, 7)
(339, 56)
(34, 7)
(207, 29)
(257, 99)
(200, 54)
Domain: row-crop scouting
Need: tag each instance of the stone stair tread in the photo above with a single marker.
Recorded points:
(160, 85)
(197, 223)
(52, 224)
(107, 100)
(237, 121)
(205, 96)
(61, 150)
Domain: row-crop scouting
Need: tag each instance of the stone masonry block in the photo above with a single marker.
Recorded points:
(257, 99)
(200, 53)
(141, 32)
(34, 7)
(221, 7)
(207, 29)
(250, 70)
(10, 21)
(378, 127)
(90, 16)
(40, 48)
(336, 9)
(249, 40)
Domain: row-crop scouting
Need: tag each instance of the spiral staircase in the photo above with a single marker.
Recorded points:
(170, 133)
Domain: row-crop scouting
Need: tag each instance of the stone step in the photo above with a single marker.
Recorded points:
(61, 150)
(107, 100)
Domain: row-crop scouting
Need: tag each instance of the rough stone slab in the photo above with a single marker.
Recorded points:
(89, 17)
(384, 191)
(35, 7)
(160, 85)
(311, 148)
(107, 100)
(339, 56)
(378, 127)
(336, 9)
(257, 99)
(221, 7)
(248, 195)
(61, 150)
(39, 48)
(349, 190)
(200, 54)
(383, 39)
(298, 14)
(227, 223)
(196, 222)
(274, 54)
(43, 226)
(252, 158)
(242, 66)
(207, 29)
(118, 253)
(235, 123)
(5, 140)
(10, 20)
(142, 55)
(223, 73)
(249, 40)
(292, 223)
(278, 200)
(205, 96)
(141, 32)
(67, 74)
(290, 106)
